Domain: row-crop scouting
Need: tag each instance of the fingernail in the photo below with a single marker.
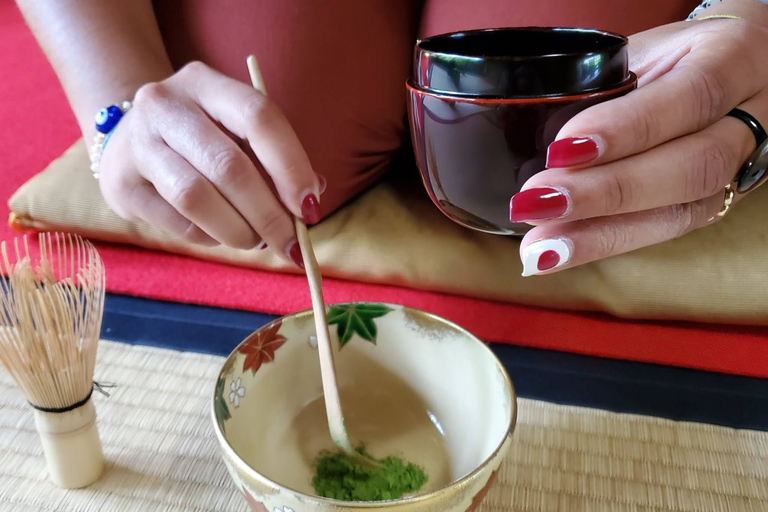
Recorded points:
(544, 203)
(310, 209)
(545, 255)
(263, 245)
(295, 254)
(572, 151)
(323, 183)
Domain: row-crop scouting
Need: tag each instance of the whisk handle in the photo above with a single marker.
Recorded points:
(72, 446)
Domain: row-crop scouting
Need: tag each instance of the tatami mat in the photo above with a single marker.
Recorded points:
(158, 438)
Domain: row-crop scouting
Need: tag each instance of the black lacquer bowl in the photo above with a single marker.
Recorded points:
(485, 104)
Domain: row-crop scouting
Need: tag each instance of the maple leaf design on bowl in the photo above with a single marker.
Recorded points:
(220, 404)
(356, 318)
(256, 506)
(260, 347)
(481, 495)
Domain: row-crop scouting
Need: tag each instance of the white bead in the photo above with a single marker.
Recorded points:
(101, 116)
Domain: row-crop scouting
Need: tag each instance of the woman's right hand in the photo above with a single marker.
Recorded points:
(175, 161)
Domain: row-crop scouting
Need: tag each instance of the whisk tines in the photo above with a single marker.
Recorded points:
(51, 305)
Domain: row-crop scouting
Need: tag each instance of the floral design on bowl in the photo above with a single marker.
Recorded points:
(238, 392)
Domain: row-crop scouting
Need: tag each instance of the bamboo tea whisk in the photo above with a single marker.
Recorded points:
(51, 307)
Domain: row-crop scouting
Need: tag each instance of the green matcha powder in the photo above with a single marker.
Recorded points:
(340, 477)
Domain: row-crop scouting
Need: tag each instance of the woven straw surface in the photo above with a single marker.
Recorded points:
(162, 454)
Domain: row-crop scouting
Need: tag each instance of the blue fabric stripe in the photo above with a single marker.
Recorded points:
(622, 386)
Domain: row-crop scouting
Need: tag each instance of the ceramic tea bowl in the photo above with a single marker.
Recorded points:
(412, 385)
(484, 106)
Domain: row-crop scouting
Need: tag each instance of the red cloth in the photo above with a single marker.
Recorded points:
(37, 126)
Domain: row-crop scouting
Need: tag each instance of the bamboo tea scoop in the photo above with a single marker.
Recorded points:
(327, 367)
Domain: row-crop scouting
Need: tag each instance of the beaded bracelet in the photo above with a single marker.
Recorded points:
(709, 3)
(106, 121)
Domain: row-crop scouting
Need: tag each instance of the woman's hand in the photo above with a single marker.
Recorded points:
(176, 161)
(653, 165)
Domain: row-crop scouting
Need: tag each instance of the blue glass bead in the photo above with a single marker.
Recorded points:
(107, 118)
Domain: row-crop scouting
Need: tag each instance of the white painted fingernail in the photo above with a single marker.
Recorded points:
(545, 255)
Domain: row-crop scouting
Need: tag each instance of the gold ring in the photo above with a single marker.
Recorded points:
(727, 202)
(720, 17)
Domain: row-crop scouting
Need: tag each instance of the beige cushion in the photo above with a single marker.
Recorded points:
(394, 235)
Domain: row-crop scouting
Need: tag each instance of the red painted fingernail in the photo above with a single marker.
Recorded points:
(323, 183)
(262, 246)
(295, 254)
(572, 151)
(548, 260)
(537, 204)
(310, 209)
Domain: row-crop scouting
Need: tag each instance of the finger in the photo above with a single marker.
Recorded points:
(551, 248)
(133, 198)
(192, 195)
(681, 171)
(246, 148)
(147, 205)
(250, 115)
(219, 159)
(648, 59)
(701, 88)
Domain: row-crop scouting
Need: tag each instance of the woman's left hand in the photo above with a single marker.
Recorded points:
(652, 165)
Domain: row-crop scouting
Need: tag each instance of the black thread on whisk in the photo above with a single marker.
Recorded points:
(100, 387)
(58, 410)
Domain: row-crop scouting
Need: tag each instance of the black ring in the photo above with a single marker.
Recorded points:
(757, 130)
(60, 410)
